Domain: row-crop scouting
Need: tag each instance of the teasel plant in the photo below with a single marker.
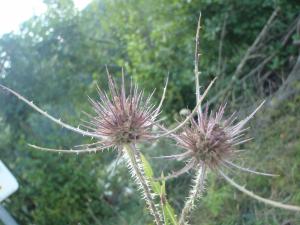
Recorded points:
(210, 143)
(120, 122)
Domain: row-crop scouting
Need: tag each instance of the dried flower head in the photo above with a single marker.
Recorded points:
(211, 141)
(207, 141)
(122, 119)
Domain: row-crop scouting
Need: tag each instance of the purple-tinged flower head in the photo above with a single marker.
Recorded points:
(123, 118)
(210, 140)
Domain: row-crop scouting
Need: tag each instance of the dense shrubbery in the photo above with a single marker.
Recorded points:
(58, 58)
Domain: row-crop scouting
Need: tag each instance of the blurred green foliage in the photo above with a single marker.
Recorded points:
(58, 58)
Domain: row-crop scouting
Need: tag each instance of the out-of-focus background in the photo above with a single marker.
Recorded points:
(58, 55)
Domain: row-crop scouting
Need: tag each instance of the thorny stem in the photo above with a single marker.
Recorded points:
(195, 193)
(134, 164)
(197, 58)
(198, 186)
(261, 199)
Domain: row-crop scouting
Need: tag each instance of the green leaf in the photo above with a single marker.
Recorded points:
(169, 214)
(168, 211)
(149, 173)
(160, 189)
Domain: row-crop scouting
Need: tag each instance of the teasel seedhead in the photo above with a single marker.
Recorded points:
(123, 119)
(207, 140)
(211, 141)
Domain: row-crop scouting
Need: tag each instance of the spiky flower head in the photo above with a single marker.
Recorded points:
(210, 140)
(120, 118)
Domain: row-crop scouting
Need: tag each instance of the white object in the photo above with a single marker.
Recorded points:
(6, 218)
(8, 183)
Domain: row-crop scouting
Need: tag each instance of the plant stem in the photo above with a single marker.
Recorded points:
(136, 168)
(196, 69)
(195, 193)
(196, 61)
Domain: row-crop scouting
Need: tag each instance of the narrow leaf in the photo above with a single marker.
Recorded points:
(149, 173)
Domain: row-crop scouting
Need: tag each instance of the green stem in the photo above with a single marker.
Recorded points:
(135, 165)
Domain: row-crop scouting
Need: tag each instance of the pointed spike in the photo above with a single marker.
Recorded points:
(249, 170)
(44, 113)
(257, 197)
